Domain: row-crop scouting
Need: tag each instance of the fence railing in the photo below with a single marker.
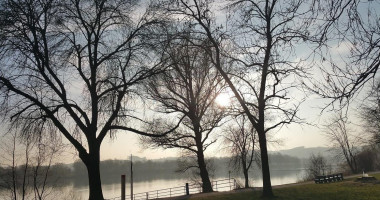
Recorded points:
(218, 185)
(224, 185)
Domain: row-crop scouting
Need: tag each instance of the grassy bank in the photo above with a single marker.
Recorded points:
(347, 189)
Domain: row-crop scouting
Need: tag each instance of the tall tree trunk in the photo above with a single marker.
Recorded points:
(95, 184)
(245, 172)
(206, 183)
(267, 186)
(352, 164)
(92, 162)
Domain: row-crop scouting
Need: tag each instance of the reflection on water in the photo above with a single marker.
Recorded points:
(114, 190)
(110, 190)
(78, 190)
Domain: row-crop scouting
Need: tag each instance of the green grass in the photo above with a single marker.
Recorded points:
(347, 189)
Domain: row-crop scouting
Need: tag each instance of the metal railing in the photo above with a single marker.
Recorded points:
(218, 185)
(224, 184)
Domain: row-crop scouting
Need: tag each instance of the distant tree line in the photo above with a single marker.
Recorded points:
(62, 174)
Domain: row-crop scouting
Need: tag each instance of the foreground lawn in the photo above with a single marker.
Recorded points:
(347, 189)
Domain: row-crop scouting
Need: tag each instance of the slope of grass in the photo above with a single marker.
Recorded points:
(347, 189)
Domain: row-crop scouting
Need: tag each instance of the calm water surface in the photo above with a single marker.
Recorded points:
(278, 177)
(111, 189)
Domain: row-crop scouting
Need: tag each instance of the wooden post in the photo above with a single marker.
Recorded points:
(123, 187)
(147, 196)
(187, 189)
(229, 179)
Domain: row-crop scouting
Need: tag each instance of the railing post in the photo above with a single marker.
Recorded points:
(147, 196)
(229, 181)
(216, 185)
(157, 194)
(229, 178)
(187, 189)
(122, 187)
(170, 192)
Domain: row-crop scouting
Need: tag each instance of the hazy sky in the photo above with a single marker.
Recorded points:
(291, 136)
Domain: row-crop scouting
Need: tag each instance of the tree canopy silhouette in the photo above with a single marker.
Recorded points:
(71, 68)
(189, 87)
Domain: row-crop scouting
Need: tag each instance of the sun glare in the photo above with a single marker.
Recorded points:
(223, 100)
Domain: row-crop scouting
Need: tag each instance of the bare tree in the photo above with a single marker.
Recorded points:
(47, 151)
(9, 161)
(268, 30)
(71, 67)
(343, 141)
(241, 140)
(189, 88)
(350, 57)
(317, 165)
(353, 26)
(28, 163)
(370, 114)
(368, 158)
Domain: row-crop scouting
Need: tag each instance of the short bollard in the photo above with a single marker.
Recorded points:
(187, 189)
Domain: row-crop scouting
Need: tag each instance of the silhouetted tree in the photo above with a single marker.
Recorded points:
(367, 159)
(27, 164)
(265, 34)
(73, 66)
(341, 138)
(353, 27)
(240, 139)
(350, 57)
(370, 114)
(189, 88)
(317, 165)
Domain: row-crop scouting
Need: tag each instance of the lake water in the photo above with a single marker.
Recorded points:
(112, 187)
(278, 177)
